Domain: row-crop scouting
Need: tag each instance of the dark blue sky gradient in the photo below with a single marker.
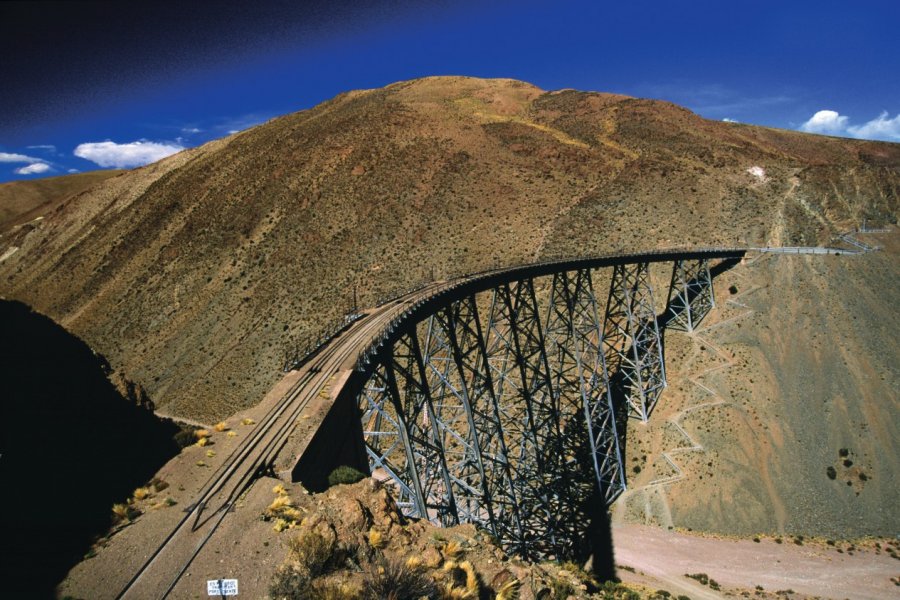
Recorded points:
(769, 63)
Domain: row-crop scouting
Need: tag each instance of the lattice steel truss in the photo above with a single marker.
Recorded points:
(632, 341)
(690, 294)
(507, 424)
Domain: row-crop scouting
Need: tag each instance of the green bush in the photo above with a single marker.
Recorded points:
(344, 474)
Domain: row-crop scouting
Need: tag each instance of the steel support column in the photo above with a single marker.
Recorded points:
(582, 381)
(489, 461)
(384, 441)
(422, 431)
(520, 368)
(690, 294)
(632, 340)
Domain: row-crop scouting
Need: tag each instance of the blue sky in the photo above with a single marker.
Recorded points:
(100, 97)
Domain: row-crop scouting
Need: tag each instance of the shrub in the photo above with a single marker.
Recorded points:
(453, 549)
(344, 475)
(142, 492)
(125, 512)
(830, 471)
(315, 554)
(376, 539)
(184, 438)
(392, 579)
(561, 589)
(290, 583)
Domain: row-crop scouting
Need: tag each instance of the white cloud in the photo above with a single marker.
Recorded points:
(879, 128)
(48, 147)
(73, 171)
(191, 130)
(727, 120)
(7, 157)
(33, 168)
(832, 123)
(826, 121)
(134, 154)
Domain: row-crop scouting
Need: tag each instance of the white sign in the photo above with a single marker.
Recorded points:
(222, 587)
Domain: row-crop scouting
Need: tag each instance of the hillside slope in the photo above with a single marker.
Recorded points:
(781, 411)
(21, 201)
(199, 274)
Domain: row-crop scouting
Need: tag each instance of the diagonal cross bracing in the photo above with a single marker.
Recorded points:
(423, 431)
(489, 461)
(690, 294)
(384, 443)
(631, 339)
(498, 409)
(575, 337)
(516, 343)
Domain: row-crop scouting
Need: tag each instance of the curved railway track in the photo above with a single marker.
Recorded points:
(255, 456)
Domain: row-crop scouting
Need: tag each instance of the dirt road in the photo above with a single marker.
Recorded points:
(661, 558)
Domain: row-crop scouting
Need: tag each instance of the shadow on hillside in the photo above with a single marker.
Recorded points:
(71, 447)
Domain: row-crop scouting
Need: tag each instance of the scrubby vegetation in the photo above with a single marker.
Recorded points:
(344, 475)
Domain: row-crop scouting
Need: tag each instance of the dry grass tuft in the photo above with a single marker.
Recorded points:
(125, 512)
(376, 539)
(201, 433)
(453, 549)
(203, 441)
(142, 492)
(247, 421)
(393, 579)
(221, 426)
(231, 433)
(509, 590)
(460, 581)
(283, 511)
(279, 503)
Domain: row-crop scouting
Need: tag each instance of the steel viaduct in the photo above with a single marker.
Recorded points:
(498, 398)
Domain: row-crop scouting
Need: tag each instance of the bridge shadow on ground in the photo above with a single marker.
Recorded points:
(70, 447)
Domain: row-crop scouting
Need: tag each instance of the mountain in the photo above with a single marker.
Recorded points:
(198, 276)
(23, 201)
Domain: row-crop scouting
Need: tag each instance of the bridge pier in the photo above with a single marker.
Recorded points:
(690, 294)
(580, 375)
(632, 339)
